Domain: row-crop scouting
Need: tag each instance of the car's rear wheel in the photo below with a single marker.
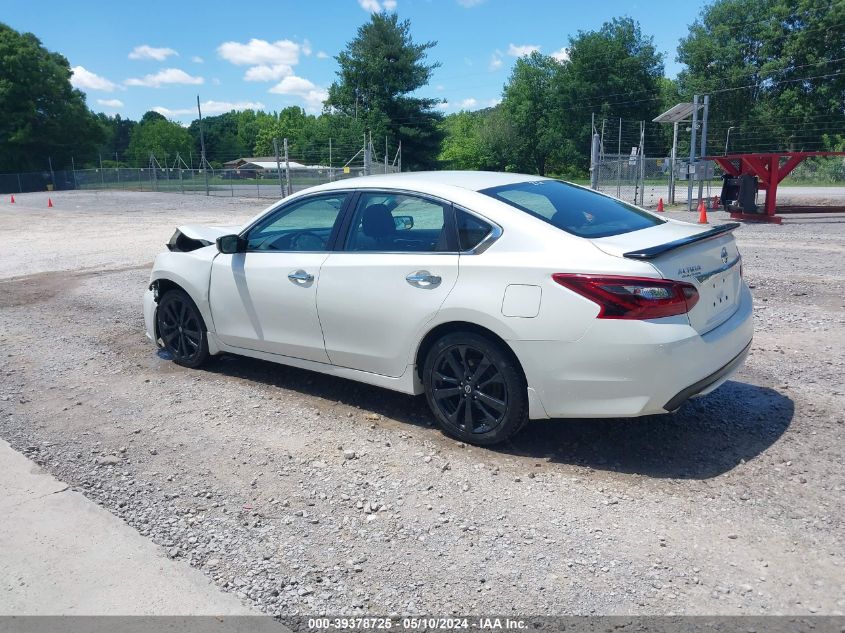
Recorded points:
(181, 329)
(475, 388)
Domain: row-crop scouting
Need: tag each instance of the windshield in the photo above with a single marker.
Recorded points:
(573, 209)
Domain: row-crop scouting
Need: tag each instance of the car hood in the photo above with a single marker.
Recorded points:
(207, 233)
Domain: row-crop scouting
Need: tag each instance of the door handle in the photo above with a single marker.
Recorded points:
(423, 279)
(301, 277)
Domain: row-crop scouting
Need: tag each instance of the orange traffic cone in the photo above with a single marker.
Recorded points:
(660, 205)
(12, 201)
(49, 203)
(702, 213)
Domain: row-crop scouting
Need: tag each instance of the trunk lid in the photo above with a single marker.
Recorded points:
(677, 251)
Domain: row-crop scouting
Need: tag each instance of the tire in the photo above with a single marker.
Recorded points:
(181, 329)
(475, 389)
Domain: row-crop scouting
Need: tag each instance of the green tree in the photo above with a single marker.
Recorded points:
(380, 70)
(42, 114)
(462, 146)
(157, 136)
(772, 68)
(614, 72)
(117, 132)
(530, 104)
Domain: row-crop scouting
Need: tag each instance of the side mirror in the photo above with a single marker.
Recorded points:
(403, 222)
(230, 244)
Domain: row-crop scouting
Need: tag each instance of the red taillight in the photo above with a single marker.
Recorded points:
(632, 297)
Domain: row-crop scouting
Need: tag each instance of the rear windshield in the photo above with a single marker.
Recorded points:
(574, 209)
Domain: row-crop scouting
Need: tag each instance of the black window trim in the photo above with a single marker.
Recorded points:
(449, 222)
(331, 244)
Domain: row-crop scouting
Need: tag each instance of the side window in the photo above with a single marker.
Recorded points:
(305, 226)
(389, 222)
(471, 230)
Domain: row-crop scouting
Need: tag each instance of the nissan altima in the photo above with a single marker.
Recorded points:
(501, 297)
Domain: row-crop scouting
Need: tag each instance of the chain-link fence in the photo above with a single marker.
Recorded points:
(259, 179)
(645, 180)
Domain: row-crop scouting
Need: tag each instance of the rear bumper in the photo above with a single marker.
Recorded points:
(634, 368)
(708, 384)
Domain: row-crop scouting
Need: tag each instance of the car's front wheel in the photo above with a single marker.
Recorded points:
(475, 388)
(181, 329)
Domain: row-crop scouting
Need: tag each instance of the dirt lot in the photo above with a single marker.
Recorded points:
(303, 493)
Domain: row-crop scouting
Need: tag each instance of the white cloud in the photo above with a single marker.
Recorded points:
(306, 48)
(110, 103)
(210, 107)
(293, 85)
(149, 52)
(440, 87)
(492, 103)
(86, 80)
(561, 55)
(197, 59)
(322, 55)
(520, 50)
(219, 107)
(305, 89)
(495, 61)
(443, 105)
(468, 4)
(260, 52)
(377, 6)
(268, 73)
(165, 77)
(466, 104)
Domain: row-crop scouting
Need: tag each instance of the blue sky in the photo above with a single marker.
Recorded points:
(130, 57)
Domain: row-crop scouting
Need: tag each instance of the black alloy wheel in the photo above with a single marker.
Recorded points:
(475, 389)
(181, 329)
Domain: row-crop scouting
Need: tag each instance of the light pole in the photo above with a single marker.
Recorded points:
(728, 138)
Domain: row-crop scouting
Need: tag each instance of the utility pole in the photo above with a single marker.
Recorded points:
(400, 157)
(278, 166)
(642, 164)
(287, 169)
(331, 169)
(674, 162)
(116, 167)
(703, 144)
(385, 154)
(366, 157)
(177, 164)
(102, 179)
(619, 161)
(73, 168)
(594, 160)
(52, 175)
(203, 161)
(691, 167)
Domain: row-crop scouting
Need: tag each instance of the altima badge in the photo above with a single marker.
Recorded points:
(688, 271)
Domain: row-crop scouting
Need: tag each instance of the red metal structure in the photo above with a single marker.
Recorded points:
(770, 172)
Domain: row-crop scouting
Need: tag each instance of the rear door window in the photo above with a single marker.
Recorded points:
(574, 209)
(399, 223)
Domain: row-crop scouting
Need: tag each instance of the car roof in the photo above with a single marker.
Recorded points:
(423, 181)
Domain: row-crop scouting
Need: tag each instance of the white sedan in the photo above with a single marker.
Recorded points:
(501, 297)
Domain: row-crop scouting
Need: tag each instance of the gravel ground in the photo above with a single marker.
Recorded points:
(304, 494)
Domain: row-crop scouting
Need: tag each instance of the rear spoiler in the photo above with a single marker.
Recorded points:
(655, 251)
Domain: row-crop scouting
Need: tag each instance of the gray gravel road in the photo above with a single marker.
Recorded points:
(303, 493)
